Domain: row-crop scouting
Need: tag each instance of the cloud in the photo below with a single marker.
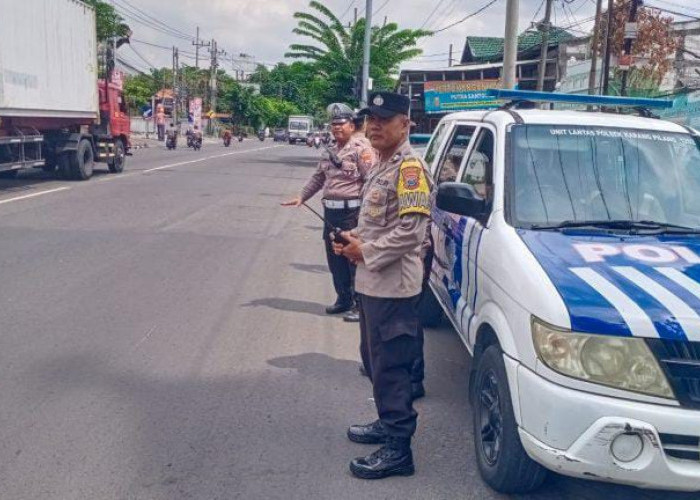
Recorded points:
(264, 28)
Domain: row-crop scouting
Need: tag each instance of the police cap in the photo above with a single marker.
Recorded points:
(386, 105)
(340, 113)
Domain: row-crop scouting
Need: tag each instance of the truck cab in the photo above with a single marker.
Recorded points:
(567, 258)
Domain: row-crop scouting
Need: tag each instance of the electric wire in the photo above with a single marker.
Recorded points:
(437, 6)
(468, 16)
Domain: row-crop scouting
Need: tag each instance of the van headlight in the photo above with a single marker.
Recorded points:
(620, 362)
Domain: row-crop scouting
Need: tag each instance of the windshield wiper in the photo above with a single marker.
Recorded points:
(652, 227)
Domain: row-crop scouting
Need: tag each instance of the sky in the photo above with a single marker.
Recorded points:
(263, 28)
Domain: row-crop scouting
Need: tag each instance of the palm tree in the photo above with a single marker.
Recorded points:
(336, 50)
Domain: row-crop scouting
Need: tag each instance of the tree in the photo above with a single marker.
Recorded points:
(654, 46)
(337, 50)
(109, 23)
(298, 83)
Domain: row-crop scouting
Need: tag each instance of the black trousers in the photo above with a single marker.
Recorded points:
(389, 347)
(342, 270)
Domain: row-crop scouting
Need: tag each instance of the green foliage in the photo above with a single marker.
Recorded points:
(109, 23)
(138, 90)
(335, 51)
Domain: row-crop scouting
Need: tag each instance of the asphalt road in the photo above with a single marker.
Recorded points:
(162, 336)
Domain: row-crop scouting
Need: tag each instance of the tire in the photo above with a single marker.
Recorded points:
(82, 161)
(116, 166)
(500, 456)
(63, 166)
(8, 174)
(430, 312)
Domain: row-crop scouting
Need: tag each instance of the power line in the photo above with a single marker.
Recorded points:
(150, 20)
(437, 6)
(148, 64)
(468, 16)
(448, 10)
(684, 7)
(380, 8)
(656, 7)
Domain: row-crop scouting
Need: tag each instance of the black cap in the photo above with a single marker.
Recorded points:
(386, 105)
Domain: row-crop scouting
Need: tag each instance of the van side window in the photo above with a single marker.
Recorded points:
(478, 172)
(454, 152)
(435, 144)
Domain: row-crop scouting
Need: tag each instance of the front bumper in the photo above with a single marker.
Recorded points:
(571, 432)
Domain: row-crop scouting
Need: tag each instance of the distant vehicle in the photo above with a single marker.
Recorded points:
(65, 120)
(197, 142)
(280, 135)
(227, 138)
(261, 135)
(298, 128)
(171, 141)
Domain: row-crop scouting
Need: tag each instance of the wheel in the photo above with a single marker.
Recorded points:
(502, 461)
(116, 166)
(8, 174)
(429, 310)
(63, 168)
(291, 142)
(82, 161)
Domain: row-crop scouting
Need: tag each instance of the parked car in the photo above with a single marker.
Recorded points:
(567, 257)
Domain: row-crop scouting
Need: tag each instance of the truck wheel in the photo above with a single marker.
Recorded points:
(502, 461)
(82, 161)
(429, 310)
(116, 166)
(8, 174)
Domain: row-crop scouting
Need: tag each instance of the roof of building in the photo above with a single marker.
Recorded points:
(480, 49)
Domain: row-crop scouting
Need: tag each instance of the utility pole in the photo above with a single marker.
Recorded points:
(544, 50)
(609, 38)
(628, 45)
(355, 15)
(366, 53)
(449, 62)
(197, 44)
(593, 77)
(215, 53)
(176, 92)
(510, 46)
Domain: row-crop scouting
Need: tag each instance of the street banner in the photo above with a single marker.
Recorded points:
(196, 111)
(445, 97)
(118, 79)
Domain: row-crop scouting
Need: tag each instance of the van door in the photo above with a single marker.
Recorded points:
(445, 229)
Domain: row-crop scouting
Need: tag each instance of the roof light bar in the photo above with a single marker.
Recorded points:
(594, 100)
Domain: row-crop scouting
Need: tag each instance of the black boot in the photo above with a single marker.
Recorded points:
(373, 433)
(353, 316)
(393, 459)
(417, 390)
(340, 306)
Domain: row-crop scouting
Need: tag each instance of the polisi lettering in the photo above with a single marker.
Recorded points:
(652, 254)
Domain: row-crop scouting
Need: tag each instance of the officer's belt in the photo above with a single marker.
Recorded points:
(342, 203)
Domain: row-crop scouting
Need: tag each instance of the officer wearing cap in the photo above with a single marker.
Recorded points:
(387, 248)
(341, 174)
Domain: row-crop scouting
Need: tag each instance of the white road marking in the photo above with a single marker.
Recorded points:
(684, 314)
(34, 195)
(209, 158)
(635, 317)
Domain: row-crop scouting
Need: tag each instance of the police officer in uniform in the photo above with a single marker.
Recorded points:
(341, 174)
(387, 248)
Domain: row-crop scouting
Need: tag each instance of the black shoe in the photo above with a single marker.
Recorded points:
(339, 307)
(363, 372)
(393, 459)
(417, 390)
(353, 316)
(373, 433)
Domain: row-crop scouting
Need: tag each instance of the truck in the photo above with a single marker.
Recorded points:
(299, 127)
(55, 113)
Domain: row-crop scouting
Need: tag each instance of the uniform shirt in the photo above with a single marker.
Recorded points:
(393, 222)
(342, 182)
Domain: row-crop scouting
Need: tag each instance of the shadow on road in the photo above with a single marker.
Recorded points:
(291, 305)
(310, 268)
(288, 162)
(29, 179)
(316, 364)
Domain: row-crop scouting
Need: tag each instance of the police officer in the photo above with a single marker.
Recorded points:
(387, 248)
(341, 174)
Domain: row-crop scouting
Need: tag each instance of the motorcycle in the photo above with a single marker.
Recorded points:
(190, 136)
(197, 143)
(240, 137)
(227, 139)
(317, 141)
(261, 135)
(171, 142)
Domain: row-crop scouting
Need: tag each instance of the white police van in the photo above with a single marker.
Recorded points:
(567, 256)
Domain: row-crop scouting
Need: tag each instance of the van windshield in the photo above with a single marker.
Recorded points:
(569, 174)
(298, 125)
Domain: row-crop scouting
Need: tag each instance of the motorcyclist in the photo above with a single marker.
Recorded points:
(172, 135)
(227, 137)
(197, 137)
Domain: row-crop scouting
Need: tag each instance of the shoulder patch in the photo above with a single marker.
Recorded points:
(413, 189)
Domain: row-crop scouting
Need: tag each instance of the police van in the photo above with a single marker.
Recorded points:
(567, 257)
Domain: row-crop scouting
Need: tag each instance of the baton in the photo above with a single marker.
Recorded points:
(335, 231)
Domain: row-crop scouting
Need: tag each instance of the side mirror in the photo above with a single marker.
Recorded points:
(458, 198)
